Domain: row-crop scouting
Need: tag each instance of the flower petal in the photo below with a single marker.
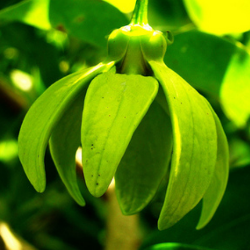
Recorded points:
(195, 146)
(217, 187)
(114, 106)
(64, 141)
(41, 118)
(145, 162)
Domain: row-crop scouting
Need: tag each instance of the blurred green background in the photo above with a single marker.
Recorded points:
(44, 40)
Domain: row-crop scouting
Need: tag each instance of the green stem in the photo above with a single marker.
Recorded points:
(140, 16)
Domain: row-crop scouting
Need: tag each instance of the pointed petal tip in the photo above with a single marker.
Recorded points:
(165, 224)
(39, 187)
(95, 191)
(81, 202)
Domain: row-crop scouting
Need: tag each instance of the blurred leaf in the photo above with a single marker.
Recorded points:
(92, 21)
(175, 246)
(32, 12)
(235, 91)
(220, 17)
(215, 66)
(239, 152)
(167, 14)
(124, 6)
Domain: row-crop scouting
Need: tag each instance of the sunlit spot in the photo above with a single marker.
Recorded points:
(10, 241)
(8, 150)
(111, 185)
(123, 6)
(79, 162)
(21, 80)
(79, 156)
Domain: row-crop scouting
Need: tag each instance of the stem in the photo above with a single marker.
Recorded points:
(122, 231)
(140, 16)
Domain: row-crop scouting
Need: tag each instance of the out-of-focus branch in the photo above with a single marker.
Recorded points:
(9, 241)
(122, 231)
(12, 98)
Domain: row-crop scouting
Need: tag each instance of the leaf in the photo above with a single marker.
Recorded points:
(228, 230)
(42, 117)
(235, 90)
(214, 69)
(32, 12)
(217, 187)
(195, 146)
(91, 21)
(201, 59)
(145, 162)
(113, 108)
(220, 17)
(125, 7)
(175, 246)
(64, 141)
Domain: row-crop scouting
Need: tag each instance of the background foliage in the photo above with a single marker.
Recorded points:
(44, 40)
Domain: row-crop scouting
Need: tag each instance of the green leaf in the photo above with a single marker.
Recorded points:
(64, 141)
(113, 108)
(217, 187)
(92, 21)
(175, 246)
(145, 162)
(201, 66)
(42, 117)
(235, 90)
(32, 12)
(228, 230)
(220, 17)
(214, 69)
(195, 146)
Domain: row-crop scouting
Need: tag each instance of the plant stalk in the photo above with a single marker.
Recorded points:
(140, 15)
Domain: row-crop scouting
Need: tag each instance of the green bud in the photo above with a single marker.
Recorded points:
(117, 44)
(153, 46)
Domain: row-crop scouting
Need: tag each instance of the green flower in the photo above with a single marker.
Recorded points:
(136, 120)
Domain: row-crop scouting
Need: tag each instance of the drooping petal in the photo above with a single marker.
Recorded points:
(145, 161)
(114, 106)
(194, 147)
(64, 141)
(217, 187)
(41, 118)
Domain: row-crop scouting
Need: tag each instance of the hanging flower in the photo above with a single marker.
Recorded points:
(136, 120)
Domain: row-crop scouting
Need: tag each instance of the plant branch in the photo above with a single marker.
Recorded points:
(140, 16)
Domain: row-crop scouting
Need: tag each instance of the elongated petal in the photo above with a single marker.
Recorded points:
(217, 187)
(41, 118)
(113, 108)
(145, 162)
(64, 141)
(194, 149)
